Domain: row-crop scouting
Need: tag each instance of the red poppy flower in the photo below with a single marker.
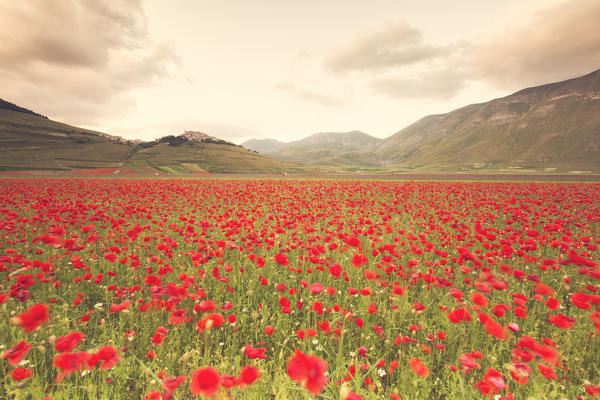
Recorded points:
(316, 288)
(205, 381)
(468, 363)
(493, 382)
(562, 321)
(15, 354)
(170, 384)
(520, 372)
(32, 318)
(205, 306)
(359, 259)
(281, 259)
(552, 303)
(20, 373)
(494, 329)
(544, 290)
(177, 317)
(479, 299)
(211, 321)
(520, 312)
(70, 362)
(108, 355)
(458, 315)
(581, 300)
(249, 375)
(308, 370)
(547, 371)
(228, 381)
(153, 395)
(68, 342)
(111, 257)
(592, 390)
(255, 352)
(114, 308)
(418, 367)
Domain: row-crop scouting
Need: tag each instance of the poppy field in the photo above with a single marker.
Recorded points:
(298, 289)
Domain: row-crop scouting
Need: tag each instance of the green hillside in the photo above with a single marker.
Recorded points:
(191, 157)
(554, 127)
(263, 145)
(29, 141)
(549, 128)
(33, 142)
(326, 148)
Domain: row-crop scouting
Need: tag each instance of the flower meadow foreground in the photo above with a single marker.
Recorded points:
(289, 289)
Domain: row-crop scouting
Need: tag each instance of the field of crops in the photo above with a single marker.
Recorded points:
(297, 289)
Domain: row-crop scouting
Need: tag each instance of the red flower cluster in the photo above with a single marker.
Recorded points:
(308, 370)
(207, 381)
(31, 319)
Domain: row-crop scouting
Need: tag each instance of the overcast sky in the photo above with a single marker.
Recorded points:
(282, 69)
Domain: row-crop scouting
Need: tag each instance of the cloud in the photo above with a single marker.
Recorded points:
(435, 85)
(556, 43)
(68, 57)
(310, 96)
(394, 45)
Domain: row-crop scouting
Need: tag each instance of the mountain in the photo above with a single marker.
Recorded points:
(548, 128)
(553, 127)
(6, 105)
(328, 148)
(192, 152)
(30, 141)
(262, 145)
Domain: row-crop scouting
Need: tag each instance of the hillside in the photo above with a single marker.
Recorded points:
(548, 128)
(553, 127)
(327, 148)
(263, 145)
(6, 105)
(29, 141)
(191, 156)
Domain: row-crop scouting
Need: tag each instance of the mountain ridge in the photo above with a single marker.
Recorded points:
(555, 125)
(30, 141)
(549, 127)
(321, 147)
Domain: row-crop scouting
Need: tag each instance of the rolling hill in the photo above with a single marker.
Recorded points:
(30, 141)
(263, 145)
(194, 152)
(324, 148)
(550, 127)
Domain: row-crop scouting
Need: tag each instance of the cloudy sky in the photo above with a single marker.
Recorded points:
(241, 69)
